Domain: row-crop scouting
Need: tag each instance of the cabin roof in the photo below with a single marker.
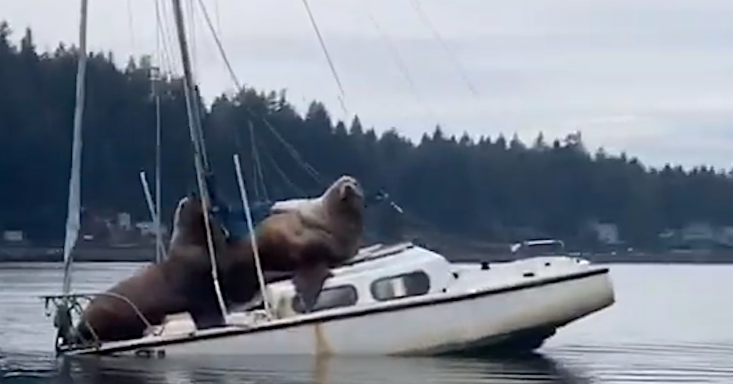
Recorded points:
(379, 257)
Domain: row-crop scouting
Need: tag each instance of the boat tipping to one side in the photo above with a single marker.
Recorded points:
(400, 299)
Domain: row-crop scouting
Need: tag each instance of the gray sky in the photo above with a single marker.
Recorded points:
(652, 77)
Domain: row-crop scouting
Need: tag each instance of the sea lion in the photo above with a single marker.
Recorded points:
(308, 237)
(180, 283)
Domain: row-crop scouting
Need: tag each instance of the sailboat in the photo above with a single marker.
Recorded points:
(390, 299)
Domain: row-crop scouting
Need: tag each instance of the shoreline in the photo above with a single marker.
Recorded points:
(83, 254)
(140, 254)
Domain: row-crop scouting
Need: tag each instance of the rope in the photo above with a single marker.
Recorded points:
(252, 238)
(257, 166)
(307, 167)
(424, 17)
(191, 22)
(131, 25)
(217, 16)
(131, 304)
(71, 302)
(162, 23)
(328, 56)
(283, 175)
(400, 64)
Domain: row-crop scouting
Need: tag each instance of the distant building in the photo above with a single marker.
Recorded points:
(697, 231)
(698, 235)
(124, 221)
(147, 228)
(725, 236)
(13, 236)
(606, 233)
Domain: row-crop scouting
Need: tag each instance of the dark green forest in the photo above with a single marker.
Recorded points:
(490, 188)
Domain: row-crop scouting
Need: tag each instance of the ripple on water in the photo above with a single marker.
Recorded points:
(274, 370)
(17, 365)
(692, 362)
(678, 340)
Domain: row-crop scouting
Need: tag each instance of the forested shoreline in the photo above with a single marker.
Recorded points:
(491, 188)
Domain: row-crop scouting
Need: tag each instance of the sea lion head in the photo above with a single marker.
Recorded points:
(347, 193)
(343, 204)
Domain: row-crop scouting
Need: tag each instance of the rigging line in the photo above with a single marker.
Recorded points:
(293, 152)
(255, 175)
(164, 54)
(398, 60)
(200, 107)
(158, 57)
(170, 33)
(160, 250)
(192, 38)
(257, 163)
(131, 25)
(238, 150)
(217, 16)
(165, 31)
(328, 56)
(166, 57)
(296, 155)
(282, 174)
(421, 13)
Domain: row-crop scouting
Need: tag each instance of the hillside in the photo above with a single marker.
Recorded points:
(493, 189)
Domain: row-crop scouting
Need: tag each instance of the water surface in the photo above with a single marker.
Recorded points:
(670, 324)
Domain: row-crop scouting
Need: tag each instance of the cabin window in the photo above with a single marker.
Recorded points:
(332, 297)
(394, 287)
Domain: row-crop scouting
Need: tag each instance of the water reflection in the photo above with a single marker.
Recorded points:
(684, 336)
(295, 370)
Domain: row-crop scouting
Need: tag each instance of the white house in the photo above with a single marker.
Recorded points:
(606, 233)
(147, 228)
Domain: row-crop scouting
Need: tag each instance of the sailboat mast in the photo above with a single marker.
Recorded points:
(74, 205)
(200, 132)
(194, 125)
(158, 235)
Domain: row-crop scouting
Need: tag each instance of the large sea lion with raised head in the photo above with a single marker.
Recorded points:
(180, 283)
(308, 237)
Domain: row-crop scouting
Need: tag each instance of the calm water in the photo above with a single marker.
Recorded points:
(670, 324)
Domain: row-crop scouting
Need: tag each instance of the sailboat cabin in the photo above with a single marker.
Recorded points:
(378, 275)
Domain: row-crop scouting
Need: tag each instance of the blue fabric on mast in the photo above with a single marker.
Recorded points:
(233, 220)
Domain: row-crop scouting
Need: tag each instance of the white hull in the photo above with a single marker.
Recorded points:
(464, 318)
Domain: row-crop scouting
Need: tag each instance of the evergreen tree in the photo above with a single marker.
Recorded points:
(489, 189)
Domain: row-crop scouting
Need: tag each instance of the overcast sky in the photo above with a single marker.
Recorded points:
(652, 77)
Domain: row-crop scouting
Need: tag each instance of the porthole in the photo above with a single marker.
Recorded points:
(332, 297)
(394, 287)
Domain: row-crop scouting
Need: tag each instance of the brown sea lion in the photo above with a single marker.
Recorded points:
(180, 283)
(308, 237)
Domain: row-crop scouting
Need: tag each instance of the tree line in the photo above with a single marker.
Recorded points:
(491, 188)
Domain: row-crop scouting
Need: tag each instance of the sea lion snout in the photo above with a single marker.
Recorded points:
(349, 188)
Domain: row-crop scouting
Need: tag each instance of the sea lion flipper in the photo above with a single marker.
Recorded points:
(309, 282)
